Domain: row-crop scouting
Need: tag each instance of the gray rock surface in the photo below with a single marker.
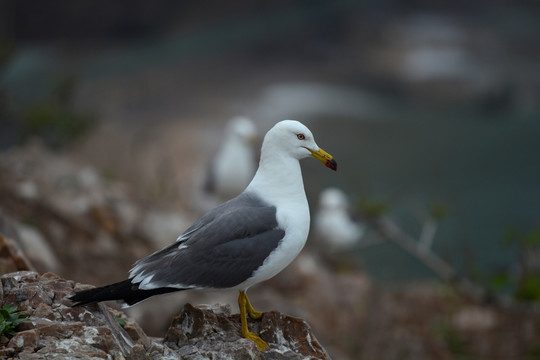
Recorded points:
(55, 330)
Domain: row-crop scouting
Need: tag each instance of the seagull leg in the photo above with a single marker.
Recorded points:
(254, 314)
(245, 308)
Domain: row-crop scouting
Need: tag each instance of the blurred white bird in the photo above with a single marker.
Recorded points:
(333, 223)
(234, 165)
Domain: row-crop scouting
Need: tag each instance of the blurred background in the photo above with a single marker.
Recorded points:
(111, 113)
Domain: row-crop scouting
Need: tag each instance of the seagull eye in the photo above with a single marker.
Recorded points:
(301, 136)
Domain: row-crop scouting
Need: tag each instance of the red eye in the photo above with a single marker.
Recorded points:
(301, 136)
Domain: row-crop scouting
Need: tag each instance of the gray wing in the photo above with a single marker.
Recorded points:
(220, 250)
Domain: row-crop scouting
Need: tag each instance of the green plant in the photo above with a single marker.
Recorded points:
(499, 281)
(526, 286)
(455, 342)
(121, 321)
(10, 318)
(56, 125)
(438, 211)
(373, 209)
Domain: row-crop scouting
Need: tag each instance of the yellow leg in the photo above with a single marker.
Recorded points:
(254, 314)
(245, 308)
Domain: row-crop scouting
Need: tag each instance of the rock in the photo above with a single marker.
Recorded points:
(65, 217)
(217, 333)
(291, 337)
(28, 339)
(11, 257)
(54, 329)
(474, 318)
(37, 248)
(27, 189)
(201, 333)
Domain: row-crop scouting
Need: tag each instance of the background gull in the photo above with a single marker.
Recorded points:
(333, 223)
(233, 166)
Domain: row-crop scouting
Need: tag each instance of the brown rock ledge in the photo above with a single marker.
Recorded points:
(56, 330)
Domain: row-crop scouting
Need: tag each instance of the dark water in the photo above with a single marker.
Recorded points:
(484, 171)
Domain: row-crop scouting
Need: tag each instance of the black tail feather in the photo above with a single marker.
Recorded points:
(124, 291)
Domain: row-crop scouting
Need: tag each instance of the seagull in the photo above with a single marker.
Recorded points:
(234, 165)
(333, 223)
(242, 242)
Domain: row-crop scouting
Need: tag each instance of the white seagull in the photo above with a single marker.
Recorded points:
(234, 165)
(240, 243)
(333, 223)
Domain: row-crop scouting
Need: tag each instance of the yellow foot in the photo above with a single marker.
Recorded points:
(245, 310)
(261, 344)
(254, 314)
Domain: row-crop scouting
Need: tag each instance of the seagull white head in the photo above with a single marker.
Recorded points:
(333, 199)
(243, 128)
(295, 139)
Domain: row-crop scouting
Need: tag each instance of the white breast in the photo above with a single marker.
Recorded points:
(294, 219)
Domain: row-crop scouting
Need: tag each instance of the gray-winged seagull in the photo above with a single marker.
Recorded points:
(333, 223)
(240, 243)
(234, 164)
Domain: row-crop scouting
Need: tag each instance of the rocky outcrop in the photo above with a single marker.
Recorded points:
(12, 258)
(213, 332)
(54, 329)
(49, 202)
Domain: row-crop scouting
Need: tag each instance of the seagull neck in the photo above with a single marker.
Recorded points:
(281, 177)
(234, 142)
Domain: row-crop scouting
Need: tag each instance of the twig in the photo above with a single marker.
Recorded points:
(428, 233)
(123, 340)
(392, 232)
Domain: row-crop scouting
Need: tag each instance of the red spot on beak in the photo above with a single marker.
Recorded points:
(332, 164)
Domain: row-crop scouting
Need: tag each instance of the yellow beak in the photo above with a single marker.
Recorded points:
(325, 158)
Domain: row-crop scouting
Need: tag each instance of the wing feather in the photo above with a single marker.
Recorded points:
(220, 250)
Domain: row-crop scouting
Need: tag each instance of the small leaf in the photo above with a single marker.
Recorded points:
(10, 318)
(121, 321)
(499, 281)
(373, 209)
(528, 288)
(439, 211)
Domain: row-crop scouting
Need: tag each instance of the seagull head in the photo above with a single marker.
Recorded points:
(242, 128)
(296, 139)
(333, 199)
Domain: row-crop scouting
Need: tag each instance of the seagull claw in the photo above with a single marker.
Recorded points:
(254, 314)
(261, 344)
(247, 309)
